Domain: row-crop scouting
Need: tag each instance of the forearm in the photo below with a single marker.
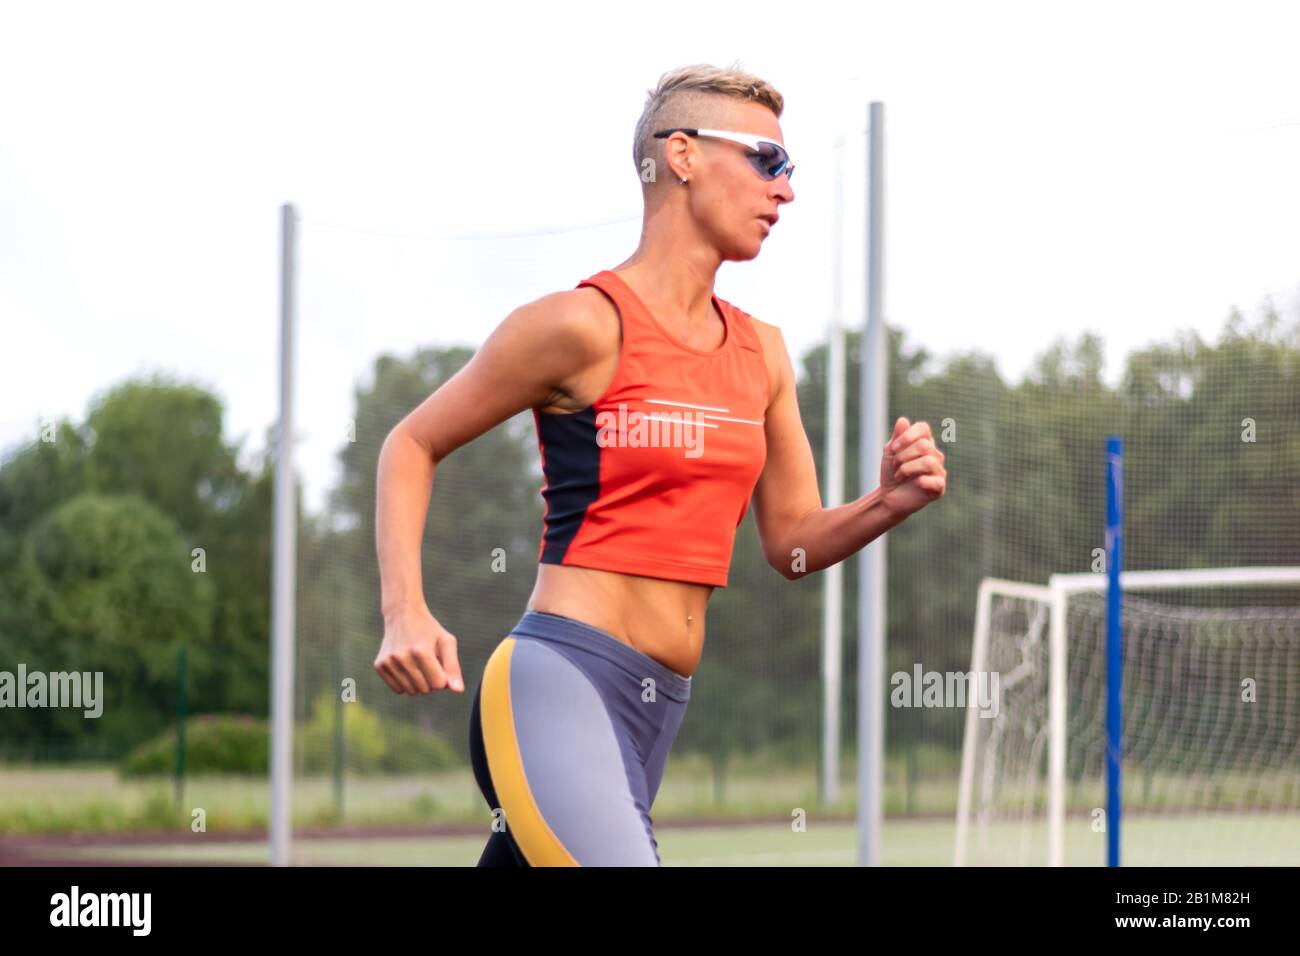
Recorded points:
(829, 535)
(402, 488)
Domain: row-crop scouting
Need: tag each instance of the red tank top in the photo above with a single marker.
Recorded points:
(655, 476)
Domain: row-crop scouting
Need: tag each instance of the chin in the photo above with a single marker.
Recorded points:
(744, 252)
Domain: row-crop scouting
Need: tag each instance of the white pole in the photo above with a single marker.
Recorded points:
(979, 664)
(1056, 716)
(283, 560)
(871, 569)
(833, 581)
(979, 659)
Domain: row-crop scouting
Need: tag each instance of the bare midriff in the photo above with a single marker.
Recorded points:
(662, 619)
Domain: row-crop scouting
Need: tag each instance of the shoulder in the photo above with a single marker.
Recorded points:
(580, 321)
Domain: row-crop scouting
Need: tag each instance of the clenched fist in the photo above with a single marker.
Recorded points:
(911, 471)
(418, 655)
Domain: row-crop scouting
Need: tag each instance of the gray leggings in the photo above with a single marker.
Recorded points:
(569, 735)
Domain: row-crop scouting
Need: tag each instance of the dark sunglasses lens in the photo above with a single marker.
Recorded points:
(771, 160)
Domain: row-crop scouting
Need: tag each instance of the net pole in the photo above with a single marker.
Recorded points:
(833, 582)
(1114, 641)
(871, 569)
(283, 560)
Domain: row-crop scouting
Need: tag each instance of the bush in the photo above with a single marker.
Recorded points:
(239, 744)
(412, 750)
(371, 745)
(363, 737)
(214, 743)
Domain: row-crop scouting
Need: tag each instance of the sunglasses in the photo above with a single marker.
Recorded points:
(768, 158)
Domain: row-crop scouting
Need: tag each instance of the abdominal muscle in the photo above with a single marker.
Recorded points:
(661, 619)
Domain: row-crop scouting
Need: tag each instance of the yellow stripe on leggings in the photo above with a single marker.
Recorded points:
(540, 846)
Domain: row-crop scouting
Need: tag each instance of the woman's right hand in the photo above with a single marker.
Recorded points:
(418, 655)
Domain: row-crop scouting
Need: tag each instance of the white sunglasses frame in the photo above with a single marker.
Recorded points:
(750, 140)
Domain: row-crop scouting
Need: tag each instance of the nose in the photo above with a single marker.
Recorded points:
(783, 191)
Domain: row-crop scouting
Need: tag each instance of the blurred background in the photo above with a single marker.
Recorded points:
(1089, 230)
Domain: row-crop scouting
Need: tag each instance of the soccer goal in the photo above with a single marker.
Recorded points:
(1211, 721)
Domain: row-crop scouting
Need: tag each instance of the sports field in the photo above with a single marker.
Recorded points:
(85, 815)
(830, 844)
(1272, 840)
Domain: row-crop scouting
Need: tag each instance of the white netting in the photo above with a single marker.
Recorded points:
(1211, 730)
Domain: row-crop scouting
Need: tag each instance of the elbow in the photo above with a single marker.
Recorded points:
(788, 566)
(400, 434)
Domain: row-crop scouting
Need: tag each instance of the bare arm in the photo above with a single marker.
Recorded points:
(524, 363)
(787, 501)
(402, 490)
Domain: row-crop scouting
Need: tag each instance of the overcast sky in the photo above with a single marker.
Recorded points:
(1129, 168)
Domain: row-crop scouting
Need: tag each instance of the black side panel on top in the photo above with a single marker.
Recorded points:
(571, 463)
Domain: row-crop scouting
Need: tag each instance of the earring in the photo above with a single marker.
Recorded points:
(683, 182)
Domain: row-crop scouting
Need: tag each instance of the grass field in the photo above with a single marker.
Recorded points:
(95, 799)
(1271, 840)
(772, 845)
(53, 815)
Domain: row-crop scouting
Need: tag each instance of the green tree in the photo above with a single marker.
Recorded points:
(106, 586)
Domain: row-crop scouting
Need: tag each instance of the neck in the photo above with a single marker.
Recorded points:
(673, 267)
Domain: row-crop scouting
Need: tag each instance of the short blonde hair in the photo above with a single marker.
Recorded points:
(689, 97)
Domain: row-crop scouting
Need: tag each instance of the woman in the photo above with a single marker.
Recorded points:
(660, 409)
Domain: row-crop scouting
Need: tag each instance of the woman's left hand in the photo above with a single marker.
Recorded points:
(911, 471)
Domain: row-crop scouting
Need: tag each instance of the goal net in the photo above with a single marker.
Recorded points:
(1211, 721)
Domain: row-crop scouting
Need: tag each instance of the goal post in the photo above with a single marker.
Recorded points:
(1197, 745)
(988, 589)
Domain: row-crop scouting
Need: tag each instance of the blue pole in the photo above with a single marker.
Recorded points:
(1114, 644)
